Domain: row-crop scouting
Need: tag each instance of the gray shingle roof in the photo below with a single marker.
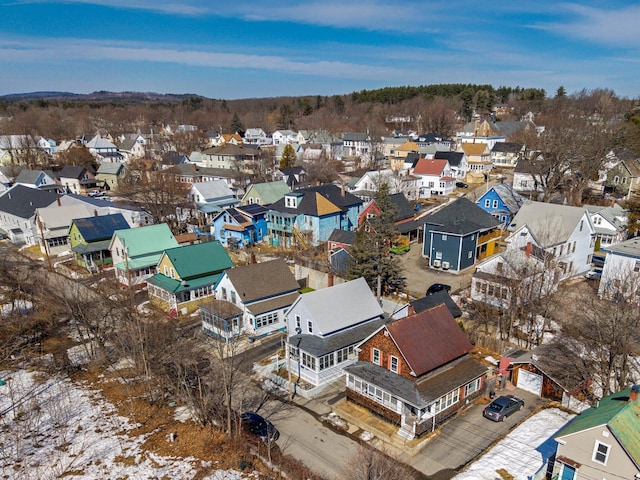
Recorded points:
(462, 217)
(22, 201)
(512, 199)
(319, 346)
(262, 280)
(334, 308)
(549, 223)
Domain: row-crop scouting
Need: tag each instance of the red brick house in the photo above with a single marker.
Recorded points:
(416, 372)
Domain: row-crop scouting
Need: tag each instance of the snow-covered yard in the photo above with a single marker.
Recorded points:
(51, 427)
(523, 451)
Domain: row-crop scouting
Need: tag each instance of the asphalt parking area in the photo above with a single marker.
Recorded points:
(467, 435)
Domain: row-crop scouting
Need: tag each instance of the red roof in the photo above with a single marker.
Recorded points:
(429, 339)
(429, 167)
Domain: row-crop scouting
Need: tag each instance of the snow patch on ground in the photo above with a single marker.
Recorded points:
(366, 436)
(523, 451)
(52, 427)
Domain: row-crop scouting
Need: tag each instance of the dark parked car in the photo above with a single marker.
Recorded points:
(438, 287)
(461, 185)
(260, 427)
(502, 407)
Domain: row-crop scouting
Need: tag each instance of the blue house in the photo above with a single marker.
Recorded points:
(501, 202)
(309, 215)
(459, 235)
(241, 226)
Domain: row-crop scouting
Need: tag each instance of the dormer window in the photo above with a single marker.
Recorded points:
(292, 201)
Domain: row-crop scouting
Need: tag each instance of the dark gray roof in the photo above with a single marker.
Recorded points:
(454, 158)
(559, 361)
(425, 391)
(319, 346)
(342, 236)
(507, 147)
(437, 298)
(410, 226)
(101, 227)
(74, 171)
(308, 204)
(462, 217)
(22, 201)
(404, 209)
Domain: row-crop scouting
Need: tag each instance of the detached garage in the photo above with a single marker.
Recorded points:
(529, 381)
(551, 371)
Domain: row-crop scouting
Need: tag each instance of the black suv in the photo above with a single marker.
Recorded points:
(461, 185)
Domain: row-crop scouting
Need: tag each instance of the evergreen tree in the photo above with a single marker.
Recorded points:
(236, 124)
(289, 157)
(370, 250)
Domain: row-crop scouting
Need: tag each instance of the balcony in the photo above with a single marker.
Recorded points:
(489, 236)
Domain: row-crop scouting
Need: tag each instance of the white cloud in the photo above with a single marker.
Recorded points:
(609, 25)
(61, 50)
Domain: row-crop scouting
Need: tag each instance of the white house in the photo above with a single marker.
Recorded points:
(621, 271)
(610, 223)
(212, 197)
(324, 326)
(435, 177)
(256, 136)
(282, 137)
(565, 232)
(261, 291)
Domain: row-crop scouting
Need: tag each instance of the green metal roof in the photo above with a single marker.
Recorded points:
(200, 259)
(140, 262)
(146, 240)
(176, 286)
(269, 192)
(619, 414)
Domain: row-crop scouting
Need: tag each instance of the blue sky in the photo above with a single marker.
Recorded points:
(273, 48)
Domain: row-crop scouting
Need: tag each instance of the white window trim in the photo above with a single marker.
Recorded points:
(595, 452)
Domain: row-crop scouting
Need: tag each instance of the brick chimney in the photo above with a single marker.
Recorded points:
(528, 249)
(57, 201)
(633, 394)
(410, 310)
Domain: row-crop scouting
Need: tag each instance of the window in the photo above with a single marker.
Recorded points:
(267, 319)
(173, 273)
(444, 237)
(166, 271)
(393, 364)
(438, 255)
(445, 402)
(376, 356)
(309, 326)
(308, 361)
(487, 203)
(233, 296)
(327, 361)
(470, 254)
(224, 293)
(499, 267)
(616, 179)
(343, 354)
(636, 266)
(298, 322)
(472, 387)
(495, 204)
(581, 224)
(600, 453)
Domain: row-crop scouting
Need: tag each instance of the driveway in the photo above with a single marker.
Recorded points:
(468, 435)
(420, 276)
